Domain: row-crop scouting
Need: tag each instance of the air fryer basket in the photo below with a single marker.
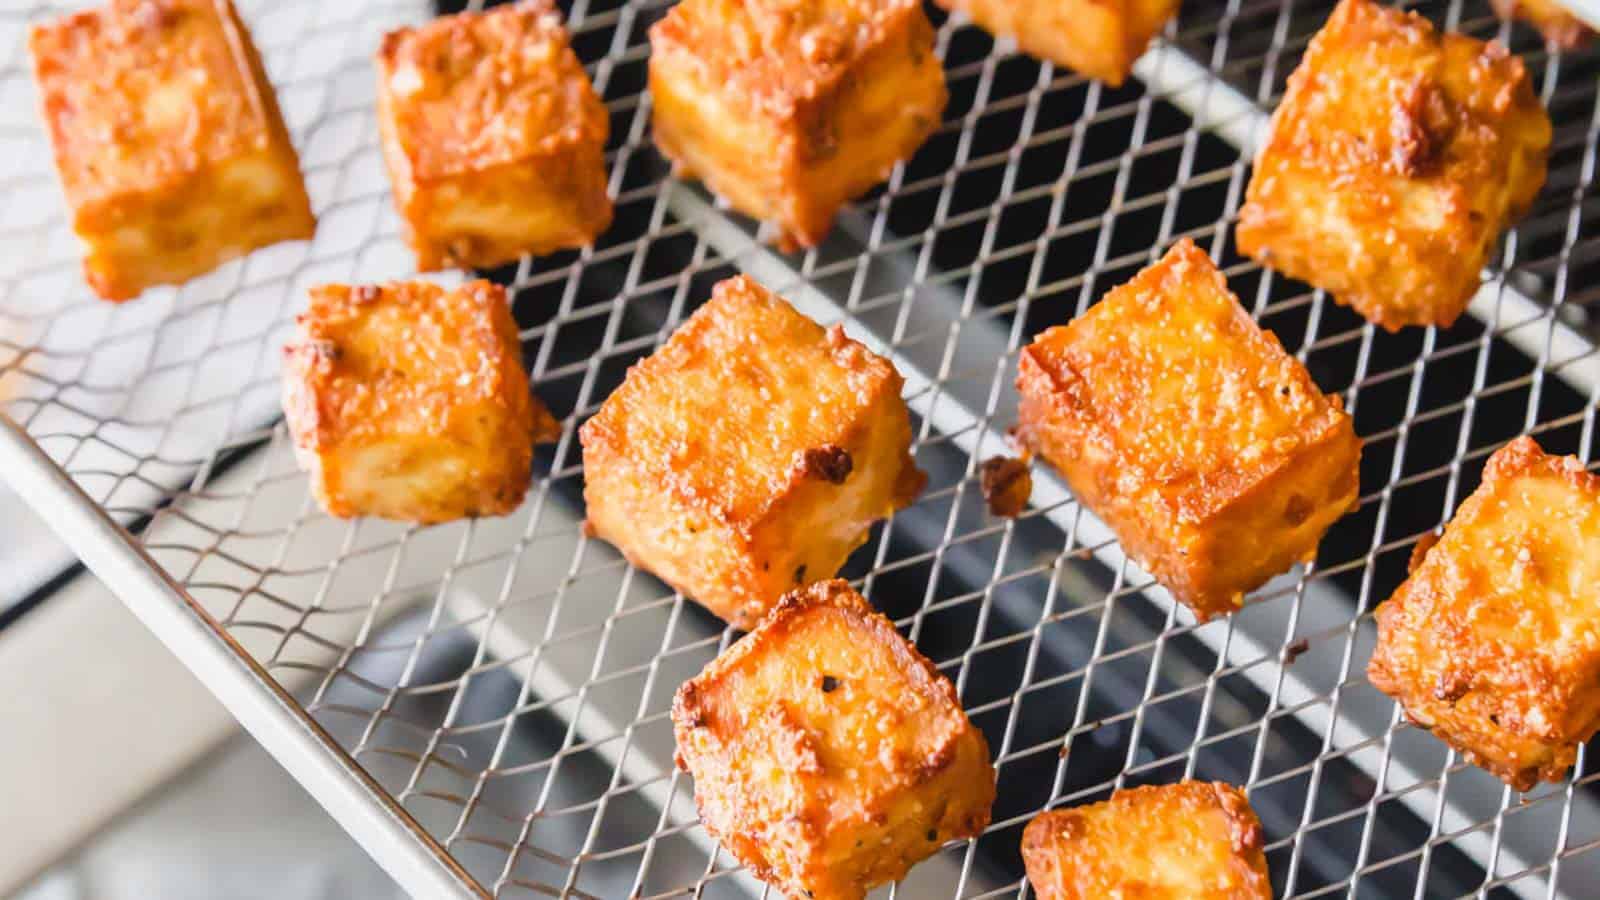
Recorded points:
(484, 704)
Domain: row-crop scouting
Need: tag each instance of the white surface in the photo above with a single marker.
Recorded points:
(29, 554)
(95, 729)
(234, 825)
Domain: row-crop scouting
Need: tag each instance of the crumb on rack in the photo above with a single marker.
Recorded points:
(1007, 484)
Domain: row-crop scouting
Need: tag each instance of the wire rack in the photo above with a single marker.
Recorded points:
(484, 704)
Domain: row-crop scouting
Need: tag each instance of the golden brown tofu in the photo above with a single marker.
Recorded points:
(1394, 162)
(1561, 29)
(1494, 640)
(409, 401)
(168, 140)
(1190, 432)
(833, 93)
(493, 136)
(1187, 841)
(1099, 38)
(750, 454)
(829, 755)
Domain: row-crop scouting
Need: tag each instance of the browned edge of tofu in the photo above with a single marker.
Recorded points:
(409, 401)
(1098, 38)
(1209, 535)
(833, 106)
(1170, 834)
(1396, 159)
(1446, 647)
(492, 155)
(666, 484)
(165, 192)
(801, 856)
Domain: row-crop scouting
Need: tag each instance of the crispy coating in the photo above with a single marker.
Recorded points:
(1561, 29)
(1494, 640)
(1099, 38)
(409, 401)
(1395, 160)
(493, 136)
(833, 92)
(168, 141)
(1187, 841)
(750, 454)
(829, 755)
(1178, 421)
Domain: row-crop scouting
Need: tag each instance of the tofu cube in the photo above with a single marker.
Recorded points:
(829, 755)
(750, 454)
(1394, 162)
(1190, 432)
(1188, 841)
(168, 141)
(832, 92)
(493, 136)
(1099, 38)
(1494, 640)
(1561, 29)
(409, 401)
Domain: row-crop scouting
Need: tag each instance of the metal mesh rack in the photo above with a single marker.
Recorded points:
(484, 704)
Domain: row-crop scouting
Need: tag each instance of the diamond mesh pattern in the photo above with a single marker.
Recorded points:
(508, 680)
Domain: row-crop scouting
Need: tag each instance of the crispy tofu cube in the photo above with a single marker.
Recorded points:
(1394, 162)
(750, 455)
(829, 755)
(409, 401)
(493, 136)
(1099, 38)
(1561, 29)
(1494, 640)
(1190, 432)
(833, 92)
(168, 140)
(1187, 841)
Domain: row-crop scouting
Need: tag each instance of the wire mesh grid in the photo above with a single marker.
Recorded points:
(507, 681)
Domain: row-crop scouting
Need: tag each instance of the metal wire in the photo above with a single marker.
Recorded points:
(506, 682)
